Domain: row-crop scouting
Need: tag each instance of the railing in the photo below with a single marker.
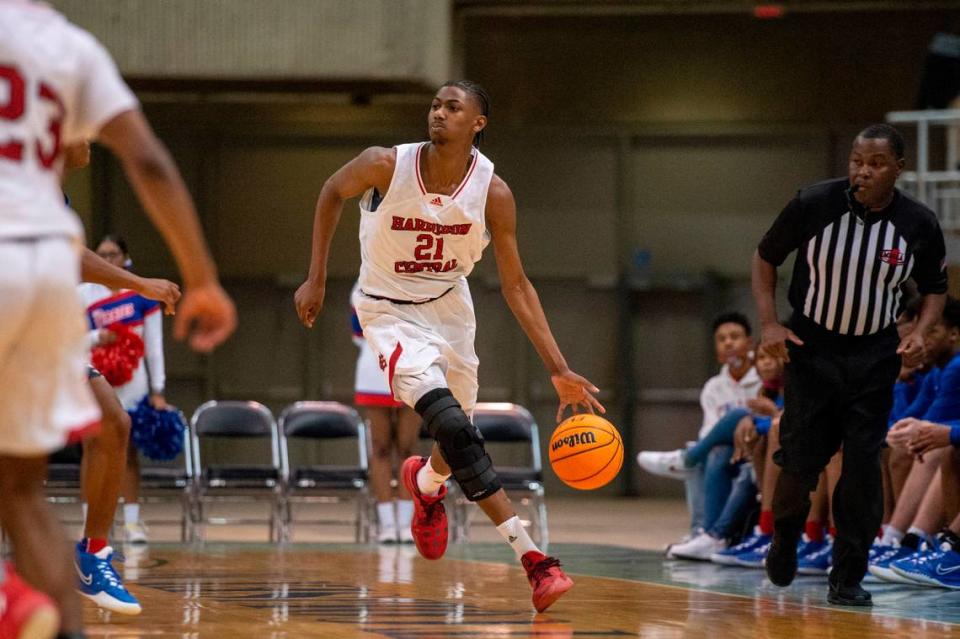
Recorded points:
(935, 183)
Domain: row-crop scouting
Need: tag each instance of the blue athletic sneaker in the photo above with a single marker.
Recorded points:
(880, 567)
(756, 557)
(876, 551)
(100, 583)
(728, 557)
(939, 568)
(815, 557)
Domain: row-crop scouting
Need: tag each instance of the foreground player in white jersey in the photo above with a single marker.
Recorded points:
(58, 86)
(427, 212)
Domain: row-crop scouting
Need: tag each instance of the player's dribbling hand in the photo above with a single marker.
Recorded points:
(163, 291)
(207, 316)
(575, 391)
(773, 339)
(309, 301)
(911, 349)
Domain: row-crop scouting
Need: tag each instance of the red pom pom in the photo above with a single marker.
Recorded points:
(118, 361)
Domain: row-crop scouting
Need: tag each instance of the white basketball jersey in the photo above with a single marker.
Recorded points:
(416, 245)
(58, 86)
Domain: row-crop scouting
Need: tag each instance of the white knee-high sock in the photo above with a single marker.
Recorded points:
(514, 534)
(429, 481)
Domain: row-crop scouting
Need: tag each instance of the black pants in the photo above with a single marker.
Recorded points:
(839, 391)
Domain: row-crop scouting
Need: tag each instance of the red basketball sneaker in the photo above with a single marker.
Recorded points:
(546, 578)
(429, 524)
(24, 612)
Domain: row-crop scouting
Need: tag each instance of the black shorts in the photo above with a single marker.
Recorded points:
(839, 390)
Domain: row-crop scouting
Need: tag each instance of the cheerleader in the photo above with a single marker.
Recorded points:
(137, 371)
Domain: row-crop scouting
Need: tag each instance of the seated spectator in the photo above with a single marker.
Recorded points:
(916, 510)
(743, 494)
(896, 463)
(708, 484)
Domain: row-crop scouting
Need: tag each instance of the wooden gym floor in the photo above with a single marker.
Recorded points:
(255, 590)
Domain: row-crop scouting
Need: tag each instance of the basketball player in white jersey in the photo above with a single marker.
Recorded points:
(427, 212)
(58, 86)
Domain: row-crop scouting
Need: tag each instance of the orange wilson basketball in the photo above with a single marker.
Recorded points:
(586, 451)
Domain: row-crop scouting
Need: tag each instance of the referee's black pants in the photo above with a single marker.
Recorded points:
(838, 392)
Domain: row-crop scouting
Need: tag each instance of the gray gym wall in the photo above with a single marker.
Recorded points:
(679, 135)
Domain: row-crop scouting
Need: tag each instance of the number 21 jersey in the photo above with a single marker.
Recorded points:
(416, 245)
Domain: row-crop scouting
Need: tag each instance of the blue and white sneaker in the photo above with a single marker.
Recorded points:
(729, 556)
(755, 558)
(814, 557)
(881, 569)
(100, 583)
(939, 568)
(876, 551)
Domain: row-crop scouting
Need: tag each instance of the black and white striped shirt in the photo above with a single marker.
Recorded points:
(850, 267)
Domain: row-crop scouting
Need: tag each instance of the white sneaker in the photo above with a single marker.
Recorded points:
(406, 535)
(135, 532)
(700, 547)
(387, 535)
(668, 551)
(664, 464)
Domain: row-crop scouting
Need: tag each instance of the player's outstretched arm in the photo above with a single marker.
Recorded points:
(372, 168)
(206, 313)
(94, 268)
(574, 391)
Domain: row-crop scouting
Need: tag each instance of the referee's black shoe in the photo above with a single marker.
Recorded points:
(854, 595)
(781, 562)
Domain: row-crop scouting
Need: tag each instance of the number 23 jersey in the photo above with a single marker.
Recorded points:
(58, 86)
(416, 245)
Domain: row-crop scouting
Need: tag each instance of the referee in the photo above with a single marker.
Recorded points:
(857, 240)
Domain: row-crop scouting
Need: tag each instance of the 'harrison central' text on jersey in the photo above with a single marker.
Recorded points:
(415, 244)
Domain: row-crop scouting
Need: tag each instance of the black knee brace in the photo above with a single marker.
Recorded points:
(460, 442)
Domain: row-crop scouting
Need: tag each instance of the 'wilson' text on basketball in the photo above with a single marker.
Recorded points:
(575, 440)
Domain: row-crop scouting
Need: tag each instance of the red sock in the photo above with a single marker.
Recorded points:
(766, 522)
(94, 544)
(814, 530)
(833, 532)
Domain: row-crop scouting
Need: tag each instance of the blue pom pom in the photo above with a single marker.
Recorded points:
(158, 434)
